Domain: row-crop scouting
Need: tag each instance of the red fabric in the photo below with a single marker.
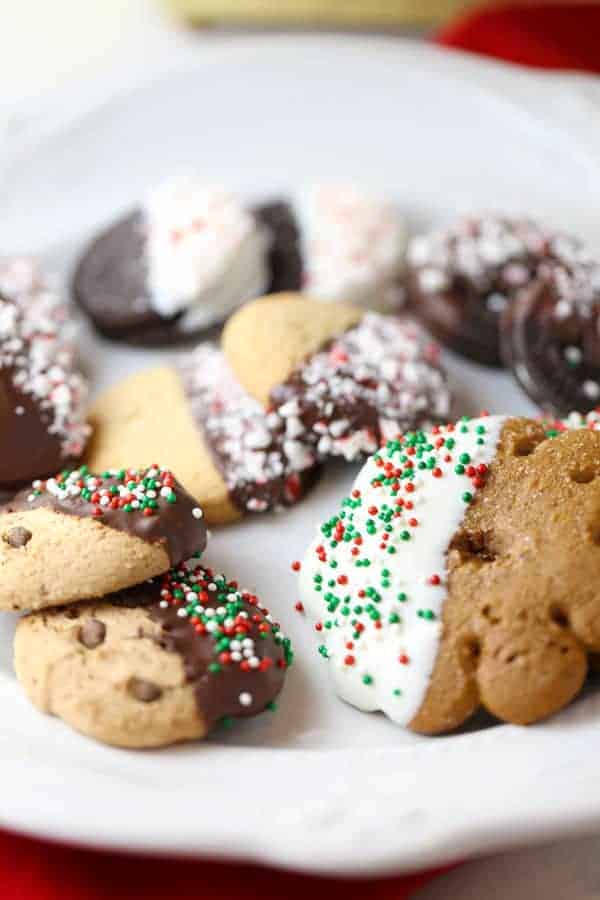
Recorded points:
(35, 870)
(555, 36)
(560, 36)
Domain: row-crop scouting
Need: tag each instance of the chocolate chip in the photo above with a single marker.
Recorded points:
(92, 633)
(146, 691)
(18, 536)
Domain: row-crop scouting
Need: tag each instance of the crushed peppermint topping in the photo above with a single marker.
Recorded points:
(37, 346)
(259, 456)
(376, 380)
(353, 245)
(489, 251)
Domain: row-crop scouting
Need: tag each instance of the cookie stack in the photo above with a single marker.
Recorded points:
(133, 640)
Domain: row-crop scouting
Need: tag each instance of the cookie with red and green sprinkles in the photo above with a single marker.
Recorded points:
(459, 572)
(156, 664)
(80, 535)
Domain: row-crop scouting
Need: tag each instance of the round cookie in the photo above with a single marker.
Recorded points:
(551, 339)
(80, 536)
(462, 278)
(231, 455)
(461, 572)
(345, 380)
(177, 267)
(157, 664)
(42, 392)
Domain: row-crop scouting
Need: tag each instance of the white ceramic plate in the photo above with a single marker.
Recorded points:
(317, 786)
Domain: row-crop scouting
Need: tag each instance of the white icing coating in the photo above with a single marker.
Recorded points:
(352, 246)
(205, 253)
(377, 663)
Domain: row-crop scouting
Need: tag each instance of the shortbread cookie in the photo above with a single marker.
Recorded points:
(551, 341)
(179, 265)
(462, 571)
(463, 277)
(80, 536)
(42, 392)
(344, 380)
(156, 664)
(352, 245)
(228, 452)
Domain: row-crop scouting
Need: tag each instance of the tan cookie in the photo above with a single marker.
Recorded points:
(131, 670)
(343, 379)
(231, 455)
(462, 570)
(81, 536)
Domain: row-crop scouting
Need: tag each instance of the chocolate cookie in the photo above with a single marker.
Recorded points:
(551, 338)
(461, 571)
(462, 278)
(231, 455)
(42, 392)
(343, 379)
(79, 536)
(177, 267)
(156, 664)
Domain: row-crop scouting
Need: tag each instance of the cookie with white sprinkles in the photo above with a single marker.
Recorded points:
(461, 571)
(43, 393)
(156, 664)
(344, 380)
(80, 535)
(231, 454)
(463, 277)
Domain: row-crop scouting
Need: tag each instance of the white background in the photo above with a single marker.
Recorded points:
(48, 44)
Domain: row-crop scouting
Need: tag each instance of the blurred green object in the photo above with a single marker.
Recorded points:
(352, 13)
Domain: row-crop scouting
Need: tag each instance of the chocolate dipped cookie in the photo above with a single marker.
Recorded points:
(42, 391)
(345, 380)
(461, 572)
(551, 338)
(462, 278)
(80, 536)
(231, 455)
(156, 664)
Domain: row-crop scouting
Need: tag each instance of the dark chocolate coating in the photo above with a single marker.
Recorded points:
(172, 526)
(459, 318)
(29, 450)
(217, 693)
(109, 283)
(534, 346)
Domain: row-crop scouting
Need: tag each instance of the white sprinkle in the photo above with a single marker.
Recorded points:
(591, 389)
(197, 512)
(245, 699)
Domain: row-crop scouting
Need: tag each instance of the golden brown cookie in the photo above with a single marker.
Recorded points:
(156, 664)
(461, 571)
(80, 536)
(231, 455)
(344, 380)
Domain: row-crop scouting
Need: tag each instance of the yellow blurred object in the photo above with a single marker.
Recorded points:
(354, 13)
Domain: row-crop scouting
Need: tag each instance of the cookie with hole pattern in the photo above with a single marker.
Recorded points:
(464, 277)
(231, 454)
(80, 536)
(343, 379)
(160, 663)
(461, 572)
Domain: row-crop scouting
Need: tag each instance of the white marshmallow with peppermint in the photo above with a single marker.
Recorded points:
(353, 245)
(205, 253)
